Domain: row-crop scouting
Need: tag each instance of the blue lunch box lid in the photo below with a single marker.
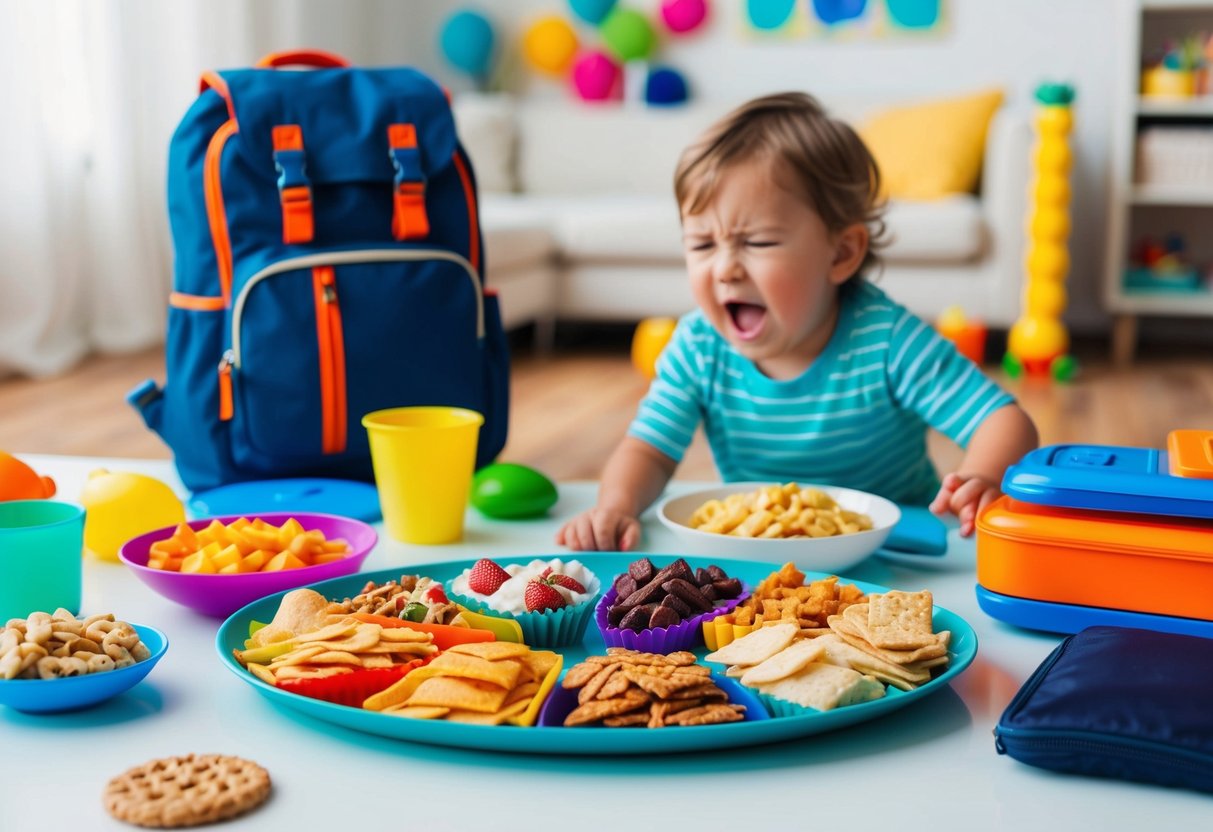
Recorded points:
(1107, 478)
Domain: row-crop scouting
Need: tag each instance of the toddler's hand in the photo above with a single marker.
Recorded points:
(600, 529)
(964, 496)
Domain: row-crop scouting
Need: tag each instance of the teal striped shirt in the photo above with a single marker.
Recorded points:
(856, 418)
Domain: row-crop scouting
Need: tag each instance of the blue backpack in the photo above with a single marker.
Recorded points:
(328, 263)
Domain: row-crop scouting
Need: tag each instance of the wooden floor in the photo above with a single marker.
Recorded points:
(569, 409)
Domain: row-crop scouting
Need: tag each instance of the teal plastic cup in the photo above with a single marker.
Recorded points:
(40, 547)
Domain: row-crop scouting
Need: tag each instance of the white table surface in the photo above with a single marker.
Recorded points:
(929, 766)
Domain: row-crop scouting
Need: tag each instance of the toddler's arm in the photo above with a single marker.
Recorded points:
(1000, 441)
(633, 478)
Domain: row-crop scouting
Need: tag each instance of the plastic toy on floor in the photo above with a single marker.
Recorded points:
(1038, 343)
(650, 338)
(967, 334)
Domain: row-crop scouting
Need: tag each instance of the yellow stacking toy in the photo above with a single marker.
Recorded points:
(650, 338)
(120, 506)
(1038, 343)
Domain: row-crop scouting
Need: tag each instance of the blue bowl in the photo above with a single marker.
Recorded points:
(46, 696)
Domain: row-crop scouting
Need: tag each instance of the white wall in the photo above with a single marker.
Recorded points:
(1014, 44)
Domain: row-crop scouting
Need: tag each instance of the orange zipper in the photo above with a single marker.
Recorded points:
(469, 193)
(226, 407)
(215, 214)
(331, 341)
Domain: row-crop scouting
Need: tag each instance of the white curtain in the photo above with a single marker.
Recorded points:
(92, 91)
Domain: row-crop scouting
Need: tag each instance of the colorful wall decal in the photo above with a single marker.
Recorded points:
(843, 18)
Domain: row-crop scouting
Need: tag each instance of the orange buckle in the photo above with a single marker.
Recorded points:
(409, 218)
(294, 188)
(409, 221)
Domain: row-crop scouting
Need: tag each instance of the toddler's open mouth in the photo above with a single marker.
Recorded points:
(747, 318)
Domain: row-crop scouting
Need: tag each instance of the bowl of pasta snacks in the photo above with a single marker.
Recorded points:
(817, 527)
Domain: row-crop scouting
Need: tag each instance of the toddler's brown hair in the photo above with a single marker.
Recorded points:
(829, 165)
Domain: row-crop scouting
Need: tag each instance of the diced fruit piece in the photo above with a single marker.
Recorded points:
(566, 582)
(540, 596)
(414, 611)
(257, 559)
(287, 532)
(198, 563)
(282, 560)
(435, 595)
(230, 556)
(243, 546)
(328, 557)
(486, 577)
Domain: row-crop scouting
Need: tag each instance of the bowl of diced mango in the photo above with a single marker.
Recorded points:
(218, 564)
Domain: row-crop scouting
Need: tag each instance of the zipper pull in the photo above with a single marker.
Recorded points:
(226, 409)
(329, 281)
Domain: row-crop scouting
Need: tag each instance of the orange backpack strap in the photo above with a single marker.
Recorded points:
(409, 220)
(294, 189)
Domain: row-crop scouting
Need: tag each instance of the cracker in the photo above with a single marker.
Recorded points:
(903, 657)
(418, 711)
(186, 791)
(491, 650)
(756, 647)
(900, 620)
(824, 687)
(839, 652)
(785, 663)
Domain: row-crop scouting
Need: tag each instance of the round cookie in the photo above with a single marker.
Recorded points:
(186, 791)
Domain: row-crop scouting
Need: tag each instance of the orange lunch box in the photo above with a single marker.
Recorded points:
(1138, 562)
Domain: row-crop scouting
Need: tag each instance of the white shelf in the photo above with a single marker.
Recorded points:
(1171, 195)
(1193, 304)
(1176, 5)
(1175, 107)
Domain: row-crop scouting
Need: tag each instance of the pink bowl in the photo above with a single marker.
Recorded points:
(221, 595)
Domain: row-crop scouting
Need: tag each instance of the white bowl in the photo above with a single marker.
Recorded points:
(816, 554)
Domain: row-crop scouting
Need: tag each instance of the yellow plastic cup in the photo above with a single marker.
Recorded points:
(423, 459)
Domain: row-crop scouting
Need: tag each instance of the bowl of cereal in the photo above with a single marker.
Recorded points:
(820, 528)
(108, 657)
(217, 565)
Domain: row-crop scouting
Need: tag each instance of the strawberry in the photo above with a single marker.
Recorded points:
(435, 595)
(566, 582)
(540, 596)
(486, 577)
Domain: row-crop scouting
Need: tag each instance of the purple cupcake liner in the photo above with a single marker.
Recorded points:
(564, 627)
(682, 636)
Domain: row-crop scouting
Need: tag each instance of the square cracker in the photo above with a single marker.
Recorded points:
(786, 662)
(825, 686)
(900, 620)
(758, 646)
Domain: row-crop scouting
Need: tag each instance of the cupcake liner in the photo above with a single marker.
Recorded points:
(682, 636)
(781, 707)
(564, 627)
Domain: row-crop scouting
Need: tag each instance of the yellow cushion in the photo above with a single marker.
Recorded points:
(930, 150)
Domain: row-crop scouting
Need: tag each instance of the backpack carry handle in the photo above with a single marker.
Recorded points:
(301, 57)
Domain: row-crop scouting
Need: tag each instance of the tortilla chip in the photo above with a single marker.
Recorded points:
(459, 694)
(491, 650)
(503, 674)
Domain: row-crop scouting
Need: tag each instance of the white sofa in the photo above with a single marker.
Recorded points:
(580, 223)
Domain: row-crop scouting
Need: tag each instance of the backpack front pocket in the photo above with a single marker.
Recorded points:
(321, 340)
